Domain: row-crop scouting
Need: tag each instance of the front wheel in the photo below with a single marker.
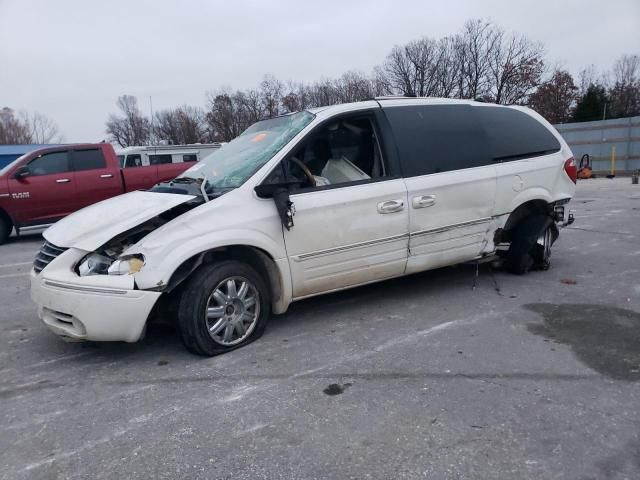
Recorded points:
(5, 229)
(224, 306)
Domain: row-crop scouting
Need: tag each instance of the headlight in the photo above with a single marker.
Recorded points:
(97, 264)
(127, 265)
(94, 264)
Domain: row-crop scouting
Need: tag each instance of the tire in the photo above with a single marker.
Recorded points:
(215, 319)
(525, 253)
(5, 229)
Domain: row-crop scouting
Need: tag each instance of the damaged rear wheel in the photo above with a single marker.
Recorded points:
(531, 243)
(224, 306)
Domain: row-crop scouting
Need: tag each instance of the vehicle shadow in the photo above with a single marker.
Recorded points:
(25, 237)
(162, 339)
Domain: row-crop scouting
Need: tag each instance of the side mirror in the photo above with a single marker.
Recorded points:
(280, 194)
(22, 172)
(268, 190)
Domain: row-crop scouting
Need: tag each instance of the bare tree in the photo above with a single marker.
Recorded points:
(132, 128)
(12, 129)
(179, 126)
(475, 48)
(515, 67)
(556, 98)
(223, 116)
(624, 94)
(271, 89)
(27, 128)
(448, 67)
(41, 128)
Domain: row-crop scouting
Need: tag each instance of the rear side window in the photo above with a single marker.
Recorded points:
(514, 135)
(133, 161)
(159, 159)
(190, 157)
(437, 138)
(90, 159)
(50, 163)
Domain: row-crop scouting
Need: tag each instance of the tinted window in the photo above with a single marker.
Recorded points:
(121, 160)
(50, 163)
(513, 134)
(88, 159)
(437, 138)
(190, 157)
(133, 161)
(159, 159)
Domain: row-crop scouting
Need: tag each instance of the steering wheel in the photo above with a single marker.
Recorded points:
(305, 170)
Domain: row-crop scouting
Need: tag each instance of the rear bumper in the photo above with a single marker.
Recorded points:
(77, 310)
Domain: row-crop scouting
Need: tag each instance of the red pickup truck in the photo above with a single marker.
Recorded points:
(45, 185)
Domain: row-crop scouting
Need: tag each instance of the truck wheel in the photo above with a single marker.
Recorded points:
(5, 229)
(224, 306)
(526, 252)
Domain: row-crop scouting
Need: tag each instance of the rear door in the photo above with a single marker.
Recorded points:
(138, 174)
(48, 193)
(450, 179)
(94, 180)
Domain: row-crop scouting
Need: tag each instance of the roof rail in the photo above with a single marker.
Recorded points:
(395, 97)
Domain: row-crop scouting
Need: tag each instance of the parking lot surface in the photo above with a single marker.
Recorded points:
(441, 375)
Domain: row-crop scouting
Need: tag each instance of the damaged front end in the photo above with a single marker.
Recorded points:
(110, 259)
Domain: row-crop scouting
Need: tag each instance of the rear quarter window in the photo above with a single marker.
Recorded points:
(513, 135)
(437, 138)
(160, 159)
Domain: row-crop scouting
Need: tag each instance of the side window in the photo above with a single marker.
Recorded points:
(437, 138)
(190, 157)
(341, 151)
(159, 159)
(514, 135)
(133, 161)
(50, 163)
(121, 161)
(90, 159)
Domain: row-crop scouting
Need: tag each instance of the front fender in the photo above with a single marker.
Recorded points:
(163, 260)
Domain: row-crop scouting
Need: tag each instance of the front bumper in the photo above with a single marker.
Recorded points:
(97, 308)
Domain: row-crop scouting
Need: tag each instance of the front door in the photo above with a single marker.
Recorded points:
(351, 214)
(48, 193)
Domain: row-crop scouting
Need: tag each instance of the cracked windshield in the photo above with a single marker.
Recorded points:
(232, 165)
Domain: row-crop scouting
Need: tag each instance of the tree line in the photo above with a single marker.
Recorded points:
(482, 62)
(24, 127)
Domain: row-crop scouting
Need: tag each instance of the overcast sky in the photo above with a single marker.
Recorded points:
(71, 59)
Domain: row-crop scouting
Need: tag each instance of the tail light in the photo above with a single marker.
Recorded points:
(571, 169)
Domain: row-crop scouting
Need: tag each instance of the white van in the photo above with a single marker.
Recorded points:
(144, 156)
(305, 204)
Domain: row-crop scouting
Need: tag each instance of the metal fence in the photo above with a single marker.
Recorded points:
(603, 139)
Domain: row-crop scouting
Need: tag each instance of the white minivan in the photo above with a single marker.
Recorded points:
(304, 204)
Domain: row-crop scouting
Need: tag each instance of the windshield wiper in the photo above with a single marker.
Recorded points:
(184, 180)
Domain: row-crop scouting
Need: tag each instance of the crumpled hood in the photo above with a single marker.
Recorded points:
(93, 226)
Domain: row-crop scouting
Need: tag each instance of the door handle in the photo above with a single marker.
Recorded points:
(423, 201)
(63, 180)
(106, 175)
(390, 206)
